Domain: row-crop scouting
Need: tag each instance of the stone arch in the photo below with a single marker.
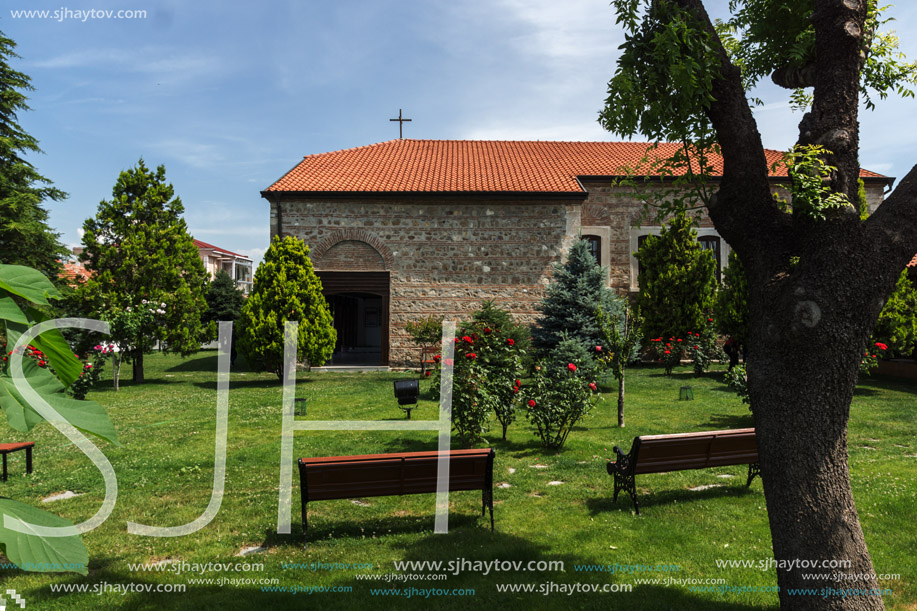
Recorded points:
(354, 242)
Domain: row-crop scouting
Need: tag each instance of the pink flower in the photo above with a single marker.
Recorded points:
(571, 366)
(598, 348)
(449, 362)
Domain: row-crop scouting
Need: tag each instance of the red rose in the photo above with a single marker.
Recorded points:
(668, 352)
(695, 347)
(709, 320)
(679, 339)
(428, 373)
(881, 346)
(465, 338)
(518, 382)
(471, 355)
(515, 390)
(571, 366)
(593, 386)
(487, 330)
(511, 341)
(598, 348)
(438, 358)
(449, 362)
(531, 402)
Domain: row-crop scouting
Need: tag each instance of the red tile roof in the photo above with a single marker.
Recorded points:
(217, 249)
(452, 166)
(75, 273)
(913, 262)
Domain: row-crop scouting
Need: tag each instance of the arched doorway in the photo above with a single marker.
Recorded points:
(353, 266)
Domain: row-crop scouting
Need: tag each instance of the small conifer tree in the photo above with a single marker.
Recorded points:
(571, 302)
(677, 281)
(285, 288)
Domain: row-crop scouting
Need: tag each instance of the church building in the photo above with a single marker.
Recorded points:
(407, 228)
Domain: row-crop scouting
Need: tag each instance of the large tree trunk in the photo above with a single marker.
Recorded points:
(815, 291)
(137, 360)
(808, 332)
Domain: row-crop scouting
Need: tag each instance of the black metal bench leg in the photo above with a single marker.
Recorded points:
(627, 484)
(4, 466)
(28, 460)
(753, 470)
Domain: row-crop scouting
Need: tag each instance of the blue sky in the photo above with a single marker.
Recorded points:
(230, 95)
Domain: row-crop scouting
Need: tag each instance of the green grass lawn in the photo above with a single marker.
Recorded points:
(165, 473)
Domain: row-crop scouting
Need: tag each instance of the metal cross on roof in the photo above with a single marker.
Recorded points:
(401, 123)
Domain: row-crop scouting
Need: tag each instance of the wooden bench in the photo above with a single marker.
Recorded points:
(679, 452)
(6, 448)
(349, 477)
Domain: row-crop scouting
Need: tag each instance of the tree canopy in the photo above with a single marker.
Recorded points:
(141, 257)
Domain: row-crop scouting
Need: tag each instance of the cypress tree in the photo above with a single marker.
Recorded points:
(677, 281)
(286, 288)
(731, 306)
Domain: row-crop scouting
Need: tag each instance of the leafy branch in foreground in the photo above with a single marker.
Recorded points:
(19, 286)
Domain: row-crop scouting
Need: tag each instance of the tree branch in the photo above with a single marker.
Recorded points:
(892, 229)
(743, 211)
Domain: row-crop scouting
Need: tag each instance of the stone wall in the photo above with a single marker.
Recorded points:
(444, 254)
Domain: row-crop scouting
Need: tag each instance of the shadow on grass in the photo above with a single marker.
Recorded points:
(259, 383)
(731, 421)
(669, 497)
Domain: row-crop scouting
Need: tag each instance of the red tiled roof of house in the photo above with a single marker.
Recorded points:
(75, 273)
(913, 262)
(452, 166)
(217, 249)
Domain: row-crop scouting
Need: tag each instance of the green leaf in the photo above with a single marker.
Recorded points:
(57, 350)
(87, 416)
(27, 283)
(37, 553)
(10, 311)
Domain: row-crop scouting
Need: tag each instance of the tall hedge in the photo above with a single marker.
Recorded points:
(677, 281)
(286, 288)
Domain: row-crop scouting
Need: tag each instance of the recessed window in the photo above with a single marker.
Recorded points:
(712, 243)
(595, 247)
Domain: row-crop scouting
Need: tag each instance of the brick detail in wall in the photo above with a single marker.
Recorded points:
(352, 234)
(350, 256)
